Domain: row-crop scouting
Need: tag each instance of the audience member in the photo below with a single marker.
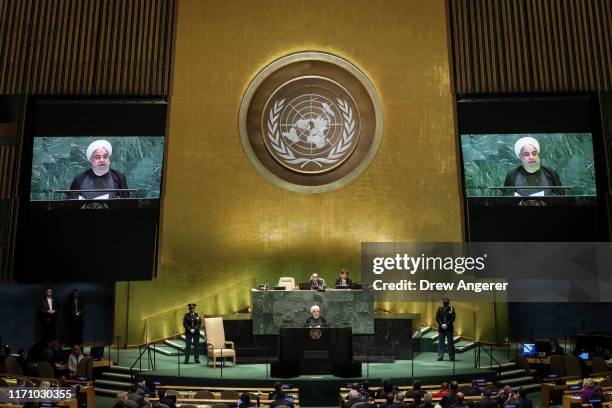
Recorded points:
(278, 390)
(426, 401)
(445, 389)
(389, 401)
(416, 392)
(387, 388)
(73, 360)
(354, 397)
(120, 399)
(486, 401)
(458, 399)
(142, 385)
(280, 398)
(371, 402)
(598, 394)
(245, 401)
(22, 360)
(587, 389)
(523, 401)
(555, 348)
(503, 395)
(450, 398)
(169, 399)
(137, 395)
(75, 308)
(49, 308)
(474, 390)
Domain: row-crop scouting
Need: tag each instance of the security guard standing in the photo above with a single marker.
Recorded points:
(192, 323)
(445, 316)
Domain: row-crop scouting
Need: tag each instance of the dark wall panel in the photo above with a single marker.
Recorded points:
(546, 320)
(19, 305)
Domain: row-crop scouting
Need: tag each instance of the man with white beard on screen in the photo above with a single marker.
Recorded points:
(100, 176)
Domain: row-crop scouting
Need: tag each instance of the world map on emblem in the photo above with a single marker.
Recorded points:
(311, 126)
(310, 122)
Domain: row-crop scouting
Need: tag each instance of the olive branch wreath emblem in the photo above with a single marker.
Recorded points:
(286, 154)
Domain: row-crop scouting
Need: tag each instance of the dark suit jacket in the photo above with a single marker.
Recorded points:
(44, 308)
(486, 403)
(70, 307)
(118, 179)
(192, 323)
(449, 399)
(349, 282)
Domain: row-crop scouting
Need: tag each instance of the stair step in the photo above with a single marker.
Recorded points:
(430, 334)
(508, 364)
(515, 381)
(110, 392)
(512, 373)
(123, 385)
(531, 387)
(116, 376)
(464, 345)
(167, 350)
(125, 369)
(176, 344)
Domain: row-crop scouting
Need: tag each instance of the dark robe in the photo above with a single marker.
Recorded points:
(312, 322)
(88, 180)
(544, 177)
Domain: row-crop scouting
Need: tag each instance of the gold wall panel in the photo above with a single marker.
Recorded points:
(531, 45)
(224, 223)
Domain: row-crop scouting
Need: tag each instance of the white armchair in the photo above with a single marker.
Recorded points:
(287, 282)
(216, 345)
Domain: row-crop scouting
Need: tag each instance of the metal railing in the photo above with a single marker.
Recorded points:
(144, 349)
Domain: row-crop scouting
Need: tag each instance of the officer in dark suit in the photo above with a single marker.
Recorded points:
(49, 308)
(445, 316)
(192, 323)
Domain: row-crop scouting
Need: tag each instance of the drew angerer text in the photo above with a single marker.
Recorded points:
(423, 284)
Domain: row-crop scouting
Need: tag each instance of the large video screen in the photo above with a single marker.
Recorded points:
(92, 183)
(529, 165)
(533, 168)
(96, 168)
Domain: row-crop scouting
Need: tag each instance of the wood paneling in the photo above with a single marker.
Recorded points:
(503, 46)
(85, 47)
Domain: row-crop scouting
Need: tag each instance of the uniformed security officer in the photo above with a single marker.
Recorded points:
(192, 323)
(445, 316)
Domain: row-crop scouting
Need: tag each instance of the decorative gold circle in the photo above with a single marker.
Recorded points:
(301, 65)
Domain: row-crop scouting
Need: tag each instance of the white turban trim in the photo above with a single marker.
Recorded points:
(95, 145)
(522, 142)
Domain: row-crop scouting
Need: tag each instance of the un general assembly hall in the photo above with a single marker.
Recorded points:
(285, 204)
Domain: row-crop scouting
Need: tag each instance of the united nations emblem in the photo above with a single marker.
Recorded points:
(310, 122)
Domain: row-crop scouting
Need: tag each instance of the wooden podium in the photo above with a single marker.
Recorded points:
(326, 350)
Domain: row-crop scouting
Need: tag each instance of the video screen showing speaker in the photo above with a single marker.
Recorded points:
(551, 165)
(533, 168)
(96, 167)
(92, 185)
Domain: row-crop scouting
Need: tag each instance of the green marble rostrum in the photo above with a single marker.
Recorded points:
(273, 309)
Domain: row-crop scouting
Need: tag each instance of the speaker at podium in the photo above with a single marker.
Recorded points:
(327, 350)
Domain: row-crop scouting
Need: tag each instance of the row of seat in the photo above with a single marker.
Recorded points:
(567, 365)
(44, 368)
